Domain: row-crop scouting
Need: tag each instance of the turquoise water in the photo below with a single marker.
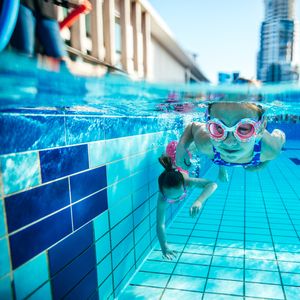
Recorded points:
(97, 142)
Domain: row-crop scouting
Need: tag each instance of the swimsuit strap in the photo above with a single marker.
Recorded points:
(254, 162)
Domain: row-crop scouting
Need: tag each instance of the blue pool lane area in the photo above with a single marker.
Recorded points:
(245, 242)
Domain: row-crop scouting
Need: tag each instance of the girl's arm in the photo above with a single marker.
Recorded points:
(208, 188)
(161, 230)
(186, 139)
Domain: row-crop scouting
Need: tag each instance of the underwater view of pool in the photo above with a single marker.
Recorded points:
(78, 192)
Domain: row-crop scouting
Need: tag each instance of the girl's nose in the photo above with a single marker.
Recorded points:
(230, 139)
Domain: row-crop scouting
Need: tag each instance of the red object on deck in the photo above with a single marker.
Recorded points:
(74, 14)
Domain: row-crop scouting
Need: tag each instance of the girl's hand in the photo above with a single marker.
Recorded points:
(195, 208)
(169, 254)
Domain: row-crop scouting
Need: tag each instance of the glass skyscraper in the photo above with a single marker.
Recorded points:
(278, 56)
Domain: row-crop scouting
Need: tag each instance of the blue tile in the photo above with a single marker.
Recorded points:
(104, 269)
(87, 183)
(262, 276)
(150, 279)
(116, 214)
(30, 241)
(121, 230)
(42, 293)
(289, 267)
(123, 268)
(106, 289)
(101, 225)
(177, 294)
(140, 213)
(61, 162)
(292, 293)
(261, 264)
(141, 229)
(122, 249)
(224, 286)
(142, 246)
(19, 171)
(86, 210)
(141, 292)
(191, 270)
(290, 279)
(263, 290)
(66, 279)
(4, 257)
(30, 132)
(117, 171)
(187, 283)
(195, 258)
(30, 276)
(69, 248)
(118, 191)
(29, 206)
(85, 288)
(5, 288)
(226, 273)
(84, 129)
(97, 154)
(102, 247)
(158, 266)
(2, 222)
(223, 261)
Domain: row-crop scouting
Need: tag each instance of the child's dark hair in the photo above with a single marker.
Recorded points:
(170, 177)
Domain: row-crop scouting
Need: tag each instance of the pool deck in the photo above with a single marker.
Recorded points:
(245, 243)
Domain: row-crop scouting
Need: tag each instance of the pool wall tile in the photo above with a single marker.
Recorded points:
(30, 132)
(20, 171)
(29, 206)
(88, 182)
(30, 276)
(75, 201)
(56, 163)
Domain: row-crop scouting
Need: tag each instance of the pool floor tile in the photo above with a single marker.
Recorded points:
(150, 279)
(225, 287)
(187, 283)
(264, 290)
(177, 294)
(237, 248)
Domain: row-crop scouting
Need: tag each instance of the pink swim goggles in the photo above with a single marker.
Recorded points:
(182, 197)
(244, 130)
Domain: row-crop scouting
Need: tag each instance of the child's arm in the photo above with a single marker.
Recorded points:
(181, 150)
(208, 188)
(160, 229)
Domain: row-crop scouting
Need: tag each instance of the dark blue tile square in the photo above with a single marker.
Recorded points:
(295, 160)
(66, 279)
(71, 247)
(83, 129)
(29, 206)
(20, 132)
(61, 162)
(87, 183)
(31, 241)
(86, 210)
(85, 288)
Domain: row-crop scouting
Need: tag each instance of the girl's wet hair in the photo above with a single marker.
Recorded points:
(253, 106)
(170, 177)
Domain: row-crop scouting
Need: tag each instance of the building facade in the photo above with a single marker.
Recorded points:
(129, 35)
(278, 57)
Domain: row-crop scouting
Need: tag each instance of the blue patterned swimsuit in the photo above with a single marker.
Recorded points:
(253, 163)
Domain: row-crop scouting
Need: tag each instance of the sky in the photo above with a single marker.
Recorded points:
(223, 33)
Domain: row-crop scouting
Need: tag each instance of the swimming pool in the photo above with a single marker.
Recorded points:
(79, 188)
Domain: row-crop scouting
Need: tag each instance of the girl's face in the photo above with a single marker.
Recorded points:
(230, 114)
(174, 194)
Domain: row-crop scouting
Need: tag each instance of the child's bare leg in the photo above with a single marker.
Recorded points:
(223, 174)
